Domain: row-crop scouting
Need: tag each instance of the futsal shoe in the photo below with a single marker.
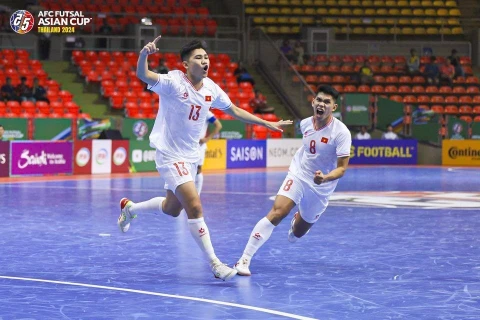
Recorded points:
(291, 236)
(243, 266)
(222, 271)
(125, 215)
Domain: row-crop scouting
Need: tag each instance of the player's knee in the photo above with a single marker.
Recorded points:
(277, 214)
(194, 211)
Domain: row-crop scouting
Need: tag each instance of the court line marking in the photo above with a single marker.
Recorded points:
(230, 304)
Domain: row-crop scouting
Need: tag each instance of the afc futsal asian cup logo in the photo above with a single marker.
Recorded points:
(21, 21)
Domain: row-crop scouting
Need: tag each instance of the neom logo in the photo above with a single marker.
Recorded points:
(455, 152)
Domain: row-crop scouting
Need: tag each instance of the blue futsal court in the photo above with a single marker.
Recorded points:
(395, 243)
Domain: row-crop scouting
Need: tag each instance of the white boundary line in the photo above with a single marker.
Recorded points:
(236, 305)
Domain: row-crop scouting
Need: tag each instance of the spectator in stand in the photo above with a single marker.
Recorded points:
(242, 74)
(39, 92)
(413, 63)
(8, 91)
(23, 91)
(363, 134)
(389, 135)
(259, 103)
(287, 51)
(2, 131)
(162, 68)
(366, 74)
(105, 29)
(431, 71)
(455, 60)
(299, 53)
(447, 72)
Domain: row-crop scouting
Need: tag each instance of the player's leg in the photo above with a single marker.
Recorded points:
(187, 195)
(129, 209)
(310, 208)
(290, 192)
(199, 179)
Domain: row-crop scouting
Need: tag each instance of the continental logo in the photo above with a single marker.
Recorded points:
(381, 152)
(215, 153)
(455, 152)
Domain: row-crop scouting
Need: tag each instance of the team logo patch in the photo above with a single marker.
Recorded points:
(185, 95)
(324, 140)
(21, 21)
(208, 98)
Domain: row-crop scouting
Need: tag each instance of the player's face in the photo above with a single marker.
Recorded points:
(323, 105)
(197, 64)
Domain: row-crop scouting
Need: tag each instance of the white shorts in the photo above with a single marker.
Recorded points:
(311, 204)
(175, 173)
(203, 150)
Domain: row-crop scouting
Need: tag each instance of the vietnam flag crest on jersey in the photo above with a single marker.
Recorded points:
(208, 98)
(324, 140)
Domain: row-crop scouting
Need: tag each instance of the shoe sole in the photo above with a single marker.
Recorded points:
(123, 203)
(232, 274)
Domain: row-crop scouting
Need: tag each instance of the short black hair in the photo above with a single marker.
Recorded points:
(328, 90)
(189, 47)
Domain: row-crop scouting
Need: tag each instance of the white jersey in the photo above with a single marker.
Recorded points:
(182, 116)
(319, 151)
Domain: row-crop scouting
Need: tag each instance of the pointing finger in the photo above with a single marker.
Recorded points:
(156, 39)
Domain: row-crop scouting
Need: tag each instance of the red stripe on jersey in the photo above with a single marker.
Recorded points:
(188, 80)
(331, 120)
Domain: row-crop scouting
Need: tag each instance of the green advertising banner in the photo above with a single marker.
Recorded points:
(232, 129)
(457, 129)
(91, 129)
(137, 129)
(357, 107)
(142, 156)
(389, 112)
(426, 126)
(52, 129)
(475, 130)
(15, 128)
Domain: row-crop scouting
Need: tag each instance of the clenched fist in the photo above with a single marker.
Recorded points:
(319, 177)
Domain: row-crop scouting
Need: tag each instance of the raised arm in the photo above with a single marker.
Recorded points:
(247, 117)
(147, 76)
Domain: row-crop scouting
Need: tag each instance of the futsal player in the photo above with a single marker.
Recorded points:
(311, 179)
(186, 99)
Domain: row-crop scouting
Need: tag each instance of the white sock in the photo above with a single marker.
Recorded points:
(150, 206)
(260, 234)
(199, 182)
(199, 231)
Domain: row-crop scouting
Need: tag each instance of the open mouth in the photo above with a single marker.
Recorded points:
(320, 111)
(205, 68)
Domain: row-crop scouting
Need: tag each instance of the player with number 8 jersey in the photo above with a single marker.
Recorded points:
(185, 99)
(312, 177)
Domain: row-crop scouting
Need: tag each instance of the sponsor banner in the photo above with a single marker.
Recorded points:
(280, 152)
(4, 158)
(384, 152)
(142, 156)
(82, 153)
(137, 129)
(216, 155)
(246, 154)
(38, 158)
(15, 128)
(120, 161)
(232, 129)
(461, 152)
(52, 129)
(101, 156)
(357, 109)
(457, 129)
